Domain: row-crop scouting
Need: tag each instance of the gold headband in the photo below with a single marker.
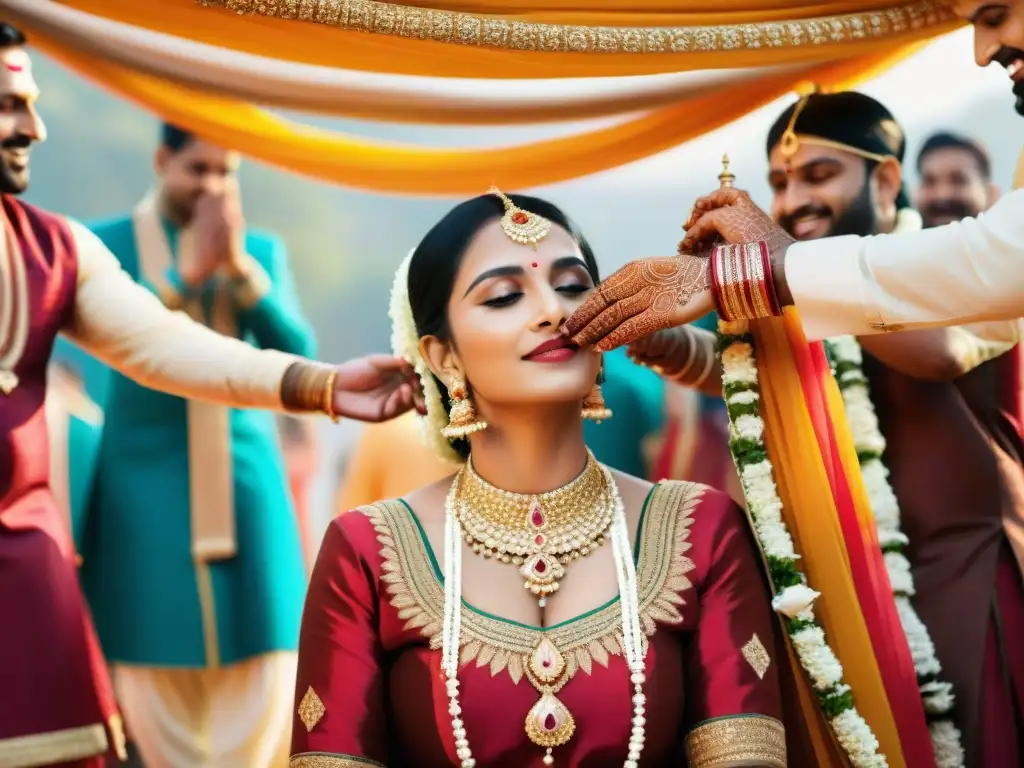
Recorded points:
(521, 226)
(790, 143)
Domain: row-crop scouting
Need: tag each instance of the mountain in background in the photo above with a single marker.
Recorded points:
(345, 244)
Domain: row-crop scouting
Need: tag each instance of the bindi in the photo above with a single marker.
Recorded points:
(534, 264)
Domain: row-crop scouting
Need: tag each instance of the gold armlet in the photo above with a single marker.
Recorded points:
(331, 760)
(309, 388)
(737, 740)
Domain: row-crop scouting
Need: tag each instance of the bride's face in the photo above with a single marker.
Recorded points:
(505, 314)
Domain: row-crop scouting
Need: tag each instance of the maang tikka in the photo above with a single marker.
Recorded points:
(462, 418)
(521, 226)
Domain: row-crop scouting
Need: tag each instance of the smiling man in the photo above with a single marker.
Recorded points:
(963, 272)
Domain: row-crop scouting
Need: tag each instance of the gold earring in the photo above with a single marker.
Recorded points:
(594, 406)
(462, 420)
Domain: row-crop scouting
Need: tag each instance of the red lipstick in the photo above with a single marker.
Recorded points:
(556, 350)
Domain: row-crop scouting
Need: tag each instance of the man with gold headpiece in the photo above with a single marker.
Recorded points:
(945, 402)
(56, 705)
(947, 405)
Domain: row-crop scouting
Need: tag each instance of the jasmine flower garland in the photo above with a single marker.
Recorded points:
(405, 343)
(794, 598)
(937, 695)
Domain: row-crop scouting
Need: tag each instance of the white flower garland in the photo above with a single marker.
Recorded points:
(405, 343)
(936, 694)
(794, 598)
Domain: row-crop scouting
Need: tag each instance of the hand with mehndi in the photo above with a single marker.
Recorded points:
(376, 388)
(643, 297)
(730, 216)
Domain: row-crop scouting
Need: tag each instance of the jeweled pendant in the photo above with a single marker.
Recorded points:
(549, 723)
(8, 381)
(546, 662)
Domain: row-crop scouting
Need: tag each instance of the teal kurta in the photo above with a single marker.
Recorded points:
(636, 396)
(147, 594)
(83, 451)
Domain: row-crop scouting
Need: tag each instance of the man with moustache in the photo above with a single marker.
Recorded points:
(955, 179)
(194, 566)
(967, 271)
(947, 404)
(56, 703)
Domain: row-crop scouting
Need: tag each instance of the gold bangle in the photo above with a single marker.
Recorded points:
(329, 396)
(706, 372)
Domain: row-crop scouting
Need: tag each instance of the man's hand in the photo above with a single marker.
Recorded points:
(218, 230)
(643, 297)
(730, 215)
(376, 388)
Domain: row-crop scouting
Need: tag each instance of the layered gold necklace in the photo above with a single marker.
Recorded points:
(541, 533)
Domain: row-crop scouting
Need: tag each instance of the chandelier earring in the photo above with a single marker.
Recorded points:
(594, 407)
(462, 418)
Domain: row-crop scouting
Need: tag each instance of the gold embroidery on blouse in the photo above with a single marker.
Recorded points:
(328, 760)
(311, 709)
(737, 740)
(489, 32)
(756, 655)
(417, 595)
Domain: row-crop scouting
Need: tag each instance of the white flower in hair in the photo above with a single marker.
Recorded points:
(405, 343)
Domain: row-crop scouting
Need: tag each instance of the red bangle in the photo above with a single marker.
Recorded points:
(741, 281)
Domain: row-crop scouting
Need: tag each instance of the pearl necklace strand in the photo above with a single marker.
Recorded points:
(633, 638)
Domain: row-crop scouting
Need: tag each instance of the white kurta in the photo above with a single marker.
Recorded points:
(966, 272)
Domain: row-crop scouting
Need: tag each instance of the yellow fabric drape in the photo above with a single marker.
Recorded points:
(396, 168)
(330, 46)
(811, 516)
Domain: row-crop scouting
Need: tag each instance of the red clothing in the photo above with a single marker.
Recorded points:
(956, 462)
(57, 700)
(371, 634)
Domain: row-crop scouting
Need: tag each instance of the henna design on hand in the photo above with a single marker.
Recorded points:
(730, 214)
(642, 297)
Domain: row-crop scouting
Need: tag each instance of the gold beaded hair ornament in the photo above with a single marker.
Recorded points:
(790, 142)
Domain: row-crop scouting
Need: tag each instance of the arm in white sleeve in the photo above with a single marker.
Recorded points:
(126, 326)
(961, 273)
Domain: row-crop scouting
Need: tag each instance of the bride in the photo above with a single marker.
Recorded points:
(644, 633)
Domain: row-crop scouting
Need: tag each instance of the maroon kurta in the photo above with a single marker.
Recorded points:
(369, 681)
(954, 454)
(56, 701)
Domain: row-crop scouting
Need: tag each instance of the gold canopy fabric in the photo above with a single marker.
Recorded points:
(833, 44)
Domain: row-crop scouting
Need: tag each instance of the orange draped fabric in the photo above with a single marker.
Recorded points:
(283, 38)
(395, 168)
(805, 482)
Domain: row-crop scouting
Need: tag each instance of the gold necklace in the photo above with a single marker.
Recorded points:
(539, 533)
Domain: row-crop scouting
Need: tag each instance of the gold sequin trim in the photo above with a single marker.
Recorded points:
(54, 747)
(503, 646)
(327, 760)
(756, 655)
(311, 709)
(490, 32)
(739, 740)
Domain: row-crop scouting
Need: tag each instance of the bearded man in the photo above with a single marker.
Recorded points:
(966, 271)
(946, 402)
(955, 179)
(57, 276)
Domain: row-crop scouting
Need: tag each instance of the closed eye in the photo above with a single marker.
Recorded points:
(504, 301)
(575, 288)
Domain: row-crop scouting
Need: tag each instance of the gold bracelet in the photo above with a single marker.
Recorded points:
(706, 372)
(329, 397)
